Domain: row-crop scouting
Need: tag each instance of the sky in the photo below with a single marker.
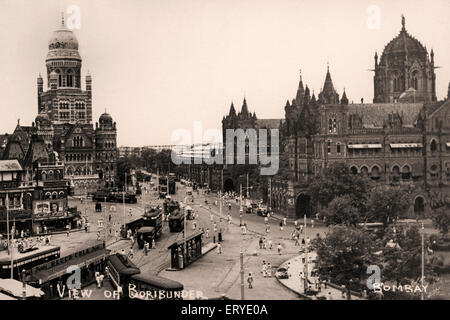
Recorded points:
(160, 65)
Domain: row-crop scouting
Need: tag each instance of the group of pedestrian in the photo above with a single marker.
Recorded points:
(266, 269)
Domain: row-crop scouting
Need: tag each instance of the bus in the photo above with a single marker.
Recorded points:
(172, 183)
(162, 187)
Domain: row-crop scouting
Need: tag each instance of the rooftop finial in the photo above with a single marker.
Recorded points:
(62, 18)
(300, 73)
(403, 22)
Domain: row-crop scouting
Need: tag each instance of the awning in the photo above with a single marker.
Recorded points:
(15, 288)
(365, 146)
(61, 269)
(6, 297)
(406, 145)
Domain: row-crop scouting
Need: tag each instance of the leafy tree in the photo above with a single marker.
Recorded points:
(342, 210)
(441, 219)
(386, 203)
(338, 180)
(401, 257)
(343, 255)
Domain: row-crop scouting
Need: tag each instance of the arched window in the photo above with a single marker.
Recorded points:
(375, 173)
(364, 171)
(433, 145)
(354, 170)
(415, 80)
(338, 147)
(406, 173)
(59, 77)
(396, 173)
(69, 77)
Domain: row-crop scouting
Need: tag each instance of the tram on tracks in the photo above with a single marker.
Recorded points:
(134, 285)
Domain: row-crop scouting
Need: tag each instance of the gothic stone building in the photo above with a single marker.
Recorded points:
(64, 120)
(402, 138)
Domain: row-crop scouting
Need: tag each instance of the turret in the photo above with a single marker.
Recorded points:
(344, 99)
(40, 84)
(376, 59)
(88, 82)
(53, 80)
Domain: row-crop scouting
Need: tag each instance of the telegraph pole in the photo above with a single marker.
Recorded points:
(240, 205)
(423, 263)
(242, 274)
(305, 265)
(247, 187)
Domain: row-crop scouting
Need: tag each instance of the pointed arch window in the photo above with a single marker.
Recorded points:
(69, 78)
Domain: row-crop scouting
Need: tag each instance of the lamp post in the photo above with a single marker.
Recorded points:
(305, 265)
(241, 256)
(423, 263)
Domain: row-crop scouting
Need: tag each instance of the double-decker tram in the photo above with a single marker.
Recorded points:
(26, 260)
(134, 285)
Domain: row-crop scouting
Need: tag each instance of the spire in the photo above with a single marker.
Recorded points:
(403, 22)
(344, 99)
(232, 110)
(300, 91)
(62, 19)
(307, 96)
(244, 109)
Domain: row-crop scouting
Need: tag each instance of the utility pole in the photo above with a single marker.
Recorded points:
(423, 263)
(247, 187)
(124, 210)
(270, 193)
(242, 274)
(305, 265)
(7, 222)
(240, 205)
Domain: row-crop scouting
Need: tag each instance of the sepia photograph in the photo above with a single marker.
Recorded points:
(227, 156)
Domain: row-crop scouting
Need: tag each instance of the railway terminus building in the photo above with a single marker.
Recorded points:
(403, 137)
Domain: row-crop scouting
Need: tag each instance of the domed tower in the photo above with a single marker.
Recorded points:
(404, 66)
(64, 101)
(106, 150)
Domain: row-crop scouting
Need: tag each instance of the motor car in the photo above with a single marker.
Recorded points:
(282, 273)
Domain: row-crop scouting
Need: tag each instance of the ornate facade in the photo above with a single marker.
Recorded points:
(402, 138)
(64, 120)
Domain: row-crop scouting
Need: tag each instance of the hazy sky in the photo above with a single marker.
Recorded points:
(160, 65)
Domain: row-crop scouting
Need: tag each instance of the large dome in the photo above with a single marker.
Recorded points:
(63, 44)
(63, 38)
(404, 43)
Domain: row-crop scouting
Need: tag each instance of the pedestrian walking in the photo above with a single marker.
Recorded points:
(264, 269)
(130, 212)
(296, 240)
(207, 233)
(279, 248)
(301, 228)
(109, 218)
(153, 244)
(266, 220)
(312, 223)
(267, 229)
(329, 297)
(45, 228)
(281, 226)
(211, 217)
(68, 229)
(270, 244)
(269, 270)
(260, 243)
(219, 248)
(244, 229)
(284, 221)
(303, 241)
(250, 280)
(308, 241)
(215, 227)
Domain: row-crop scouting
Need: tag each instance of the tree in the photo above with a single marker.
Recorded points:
(401, 257)
(343, 255)
(386, 203)
(338, 180)
(342, 210)
(441, 219)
